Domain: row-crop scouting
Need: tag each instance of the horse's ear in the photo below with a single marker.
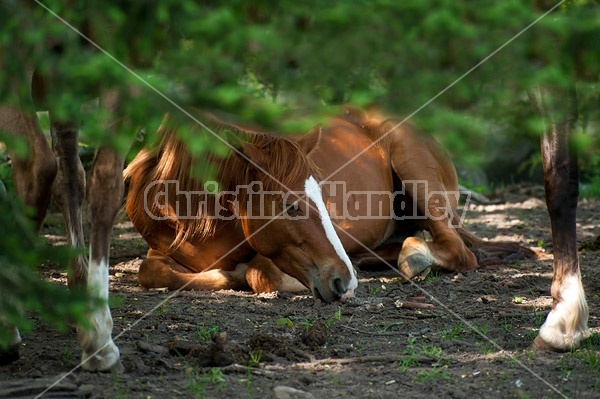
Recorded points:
(310, 140)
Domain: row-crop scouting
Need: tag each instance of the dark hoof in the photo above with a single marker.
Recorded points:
(414, 265)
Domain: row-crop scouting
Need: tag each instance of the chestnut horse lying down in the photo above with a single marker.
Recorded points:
(286, 213)
(391, 187)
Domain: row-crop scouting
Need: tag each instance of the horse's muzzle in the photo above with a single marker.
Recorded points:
(336, 290)
(338, 287)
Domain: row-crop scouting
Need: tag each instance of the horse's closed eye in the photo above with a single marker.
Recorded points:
(293, 209)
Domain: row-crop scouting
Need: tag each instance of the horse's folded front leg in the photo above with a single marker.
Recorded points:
(162, 271)
(418, 257)
(264, 276)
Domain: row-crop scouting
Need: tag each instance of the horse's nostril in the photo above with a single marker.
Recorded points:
(338, 286)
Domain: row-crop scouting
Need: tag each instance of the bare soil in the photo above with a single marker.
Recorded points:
(469, 342)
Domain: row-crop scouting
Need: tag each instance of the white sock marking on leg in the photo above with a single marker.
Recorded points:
(99, 351)
(566, 324)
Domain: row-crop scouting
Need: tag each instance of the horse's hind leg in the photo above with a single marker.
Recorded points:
(429, 179)
(32, 176)
(566, 324)
(68, 193)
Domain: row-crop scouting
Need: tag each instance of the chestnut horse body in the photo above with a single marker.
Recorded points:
(374, 186)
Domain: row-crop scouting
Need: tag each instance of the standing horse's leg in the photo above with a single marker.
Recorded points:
(68, 193)
(104, 197)
(32, 176)
(566, 324)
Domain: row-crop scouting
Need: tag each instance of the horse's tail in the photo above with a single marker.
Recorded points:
(494, 252)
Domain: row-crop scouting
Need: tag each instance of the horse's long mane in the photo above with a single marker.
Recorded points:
(281, 165)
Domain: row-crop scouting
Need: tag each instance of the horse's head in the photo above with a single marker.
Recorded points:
(285, 219)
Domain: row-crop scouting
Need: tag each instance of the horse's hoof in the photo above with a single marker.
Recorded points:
(540, 345)
(10, 355)
(116, 368)
(106, 359)
(415, 265)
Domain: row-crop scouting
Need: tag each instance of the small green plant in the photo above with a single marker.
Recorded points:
(412, 354)
(433, 276)
(566, 366)
(195, 384)
(454, 332)
(508, 327)
(378, 289)
(197, 381)
(306, 323)
(435, 372)
(336, 316)
(431, 350)
(215, 376)
(206, 333)
(285, 322)
(255, 358)
(410, 346)
(67, 355)
(485, 347)
(162, 309)
(531, 354)
(406, 362)
(518, 300)
(589, 357)
(538, 317)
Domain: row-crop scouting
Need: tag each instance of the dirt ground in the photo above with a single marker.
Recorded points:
(468, 341)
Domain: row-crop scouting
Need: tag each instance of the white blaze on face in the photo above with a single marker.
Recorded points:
(313, 191)
(566, 324)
